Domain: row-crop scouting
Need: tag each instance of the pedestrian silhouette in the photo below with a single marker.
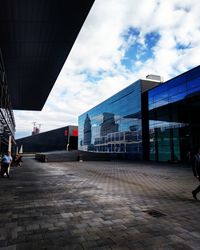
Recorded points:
(6, 161)
(18, 160)
(196, 171)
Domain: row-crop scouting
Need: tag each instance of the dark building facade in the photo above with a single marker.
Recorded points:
(115, 125)
(174, 108)
(159, 123)
(65, 138)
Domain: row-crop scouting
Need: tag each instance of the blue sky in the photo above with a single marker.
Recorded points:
(120, 42)
(137, 51)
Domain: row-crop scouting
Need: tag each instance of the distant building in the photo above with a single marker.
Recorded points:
(65, 138)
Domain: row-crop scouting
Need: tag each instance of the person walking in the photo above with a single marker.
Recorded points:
(6, 161)
(18, 161)
(196, 171)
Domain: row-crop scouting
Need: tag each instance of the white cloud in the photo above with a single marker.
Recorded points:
(94, 69)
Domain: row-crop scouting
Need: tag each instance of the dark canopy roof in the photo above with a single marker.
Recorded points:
(36, 37)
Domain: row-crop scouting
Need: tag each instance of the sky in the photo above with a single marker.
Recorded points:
(120, 42)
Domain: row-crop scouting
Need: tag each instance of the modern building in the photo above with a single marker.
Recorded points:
(65, 138)
(147, 120)
(173, 117)
(115, 125)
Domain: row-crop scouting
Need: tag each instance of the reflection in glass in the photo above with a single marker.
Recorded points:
(108, 125)
(114, 126)
(165, 140)
(87, 131)
(173, 122)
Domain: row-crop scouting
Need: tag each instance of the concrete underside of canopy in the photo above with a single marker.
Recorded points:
(36, 38)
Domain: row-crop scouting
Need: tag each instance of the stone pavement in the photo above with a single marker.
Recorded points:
(98, 205)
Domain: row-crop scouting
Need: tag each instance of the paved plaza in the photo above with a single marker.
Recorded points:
(98, 205)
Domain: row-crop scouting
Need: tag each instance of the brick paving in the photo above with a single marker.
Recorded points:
(98, 205)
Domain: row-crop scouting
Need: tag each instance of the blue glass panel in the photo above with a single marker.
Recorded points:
(115, 124)
(158, 90)
(177, 89)
(176, 81)
(177, 97)
(195, 83)
(194, 73)
(150, 94)
(169, 88)
(151, 106)
(161, 103)
(192, 92)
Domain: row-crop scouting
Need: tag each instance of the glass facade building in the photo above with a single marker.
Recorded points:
(149, 120)
(115, 125)
(173, 117)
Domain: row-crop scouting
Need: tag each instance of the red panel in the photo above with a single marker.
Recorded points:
(75, 132)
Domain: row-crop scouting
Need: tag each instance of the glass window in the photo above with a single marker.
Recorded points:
(115, 124)
(167, 121)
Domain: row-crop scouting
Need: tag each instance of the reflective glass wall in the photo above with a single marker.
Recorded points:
(114, 126)
(173, 117)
